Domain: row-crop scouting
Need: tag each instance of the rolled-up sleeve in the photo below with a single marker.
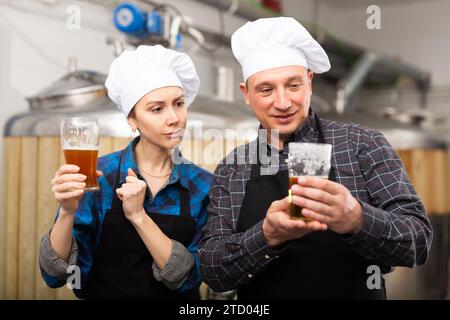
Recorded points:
(177, 268)
(51, 263)
(54, 270)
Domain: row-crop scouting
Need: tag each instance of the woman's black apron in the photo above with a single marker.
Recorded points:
(319, 265)
(122, 264)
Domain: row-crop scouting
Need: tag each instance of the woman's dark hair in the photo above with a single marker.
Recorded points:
(132, 113)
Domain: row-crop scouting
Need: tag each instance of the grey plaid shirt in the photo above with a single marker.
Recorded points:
(395, 230)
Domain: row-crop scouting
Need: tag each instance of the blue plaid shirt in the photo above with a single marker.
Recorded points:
(93, 206)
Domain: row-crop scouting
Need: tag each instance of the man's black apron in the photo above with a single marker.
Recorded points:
(319, 265)
(122, 264)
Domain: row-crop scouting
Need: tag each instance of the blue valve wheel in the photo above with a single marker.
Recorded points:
(130, 19)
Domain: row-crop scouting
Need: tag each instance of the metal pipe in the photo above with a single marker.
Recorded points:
(348, 86)
(117, 44)
(422, 78)
(241, 9)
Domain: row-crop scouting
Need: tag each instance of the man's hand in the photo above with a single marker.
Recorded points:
(278, 227)
(328, 202)
(132, 194)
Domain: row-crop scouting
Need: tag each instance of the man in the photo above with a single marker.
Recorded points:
(366, 216)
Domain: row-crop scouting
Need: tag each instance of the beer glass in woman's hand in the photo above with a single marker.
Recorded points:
(79, 141)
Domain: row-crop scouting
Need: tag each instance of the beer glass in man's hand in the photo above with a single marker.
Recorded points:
(306, 159)
(80, 141)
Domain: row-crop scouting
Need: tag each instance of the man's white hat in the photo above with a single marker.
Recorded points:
(277, 42)
(137, 72)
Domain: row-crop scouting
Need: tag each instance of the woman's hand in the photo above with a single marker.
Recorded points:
(132, 194)
(68, 187)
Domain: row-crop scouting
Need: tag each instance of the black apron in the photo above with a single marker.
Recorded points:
(122, 264)
(319, 265)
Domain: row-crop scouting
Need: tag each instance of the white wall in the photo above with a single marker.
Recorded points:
(415, 31)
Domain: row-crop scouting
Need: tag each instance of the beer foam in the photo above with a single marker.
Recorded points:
(309, 159)
(80, 148)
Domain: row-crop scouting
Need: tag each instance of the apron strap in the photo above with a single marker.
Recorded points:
(185, 206)
(332, 173)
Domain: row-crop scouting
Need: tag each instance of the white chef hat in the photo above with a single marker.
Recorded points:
(137, 72)
(277, 42)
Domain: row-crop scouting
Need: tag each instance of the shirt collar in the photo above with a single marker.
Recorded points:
(179, 171)
(306, 128)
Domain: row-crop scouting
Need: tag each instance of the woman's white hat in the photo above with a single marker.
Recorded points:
(137, 72)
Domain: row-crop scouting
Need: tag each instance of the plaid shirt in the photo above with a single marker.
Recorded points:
(93, 206)
(395, 230)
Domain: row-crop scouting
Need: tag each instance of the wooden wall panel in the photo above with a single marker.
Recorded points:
(429, 172)
(27, 218)
(13, 155)
(48, 164)
(106, 146)
(120, 143)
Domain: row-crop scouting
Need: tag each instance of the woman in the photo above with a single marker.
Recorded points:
(137, 237)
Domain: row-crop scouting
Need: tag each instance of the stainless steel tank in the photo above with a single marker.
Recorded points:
(82, 93)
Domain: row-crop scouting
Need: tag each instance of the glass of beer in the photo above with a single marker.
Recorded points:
(306, 159)
(80, 141)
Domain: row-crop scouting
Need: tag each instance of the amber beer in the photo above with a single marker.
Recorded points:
(295, 211)
(87, 161)
(80, 142)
